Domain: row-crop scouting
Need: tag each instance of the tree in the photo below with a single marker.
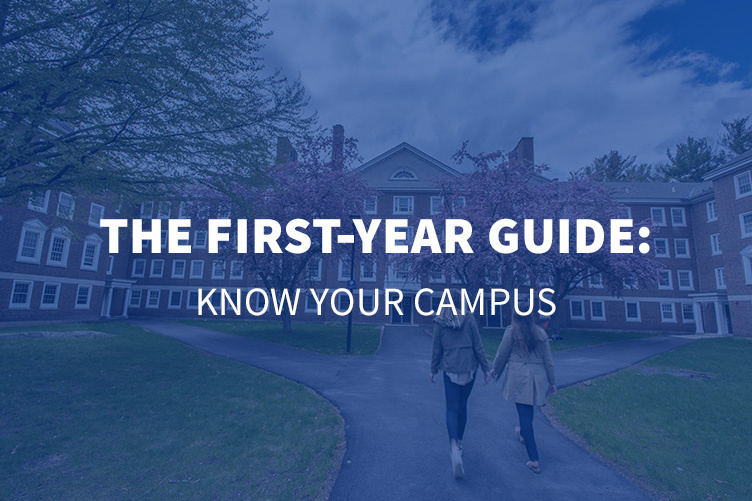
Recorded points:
(316, 185)
(691, 160)
(121, 95)
(738, 136)
(614, 167)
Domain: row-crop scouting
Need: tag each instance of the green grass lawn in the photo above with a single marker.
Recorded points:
(138, 415)
(327, 338)
(572, 338)
(683, 437)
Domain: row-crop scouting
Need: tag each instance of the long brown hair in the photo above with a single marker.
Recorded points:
(525, 334)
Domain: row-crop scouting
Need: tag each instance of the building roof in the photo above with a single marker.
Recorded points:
(655, 192)
(738, 162)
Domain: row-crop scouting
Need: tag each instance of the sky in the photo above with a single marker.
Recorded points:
(582, 77)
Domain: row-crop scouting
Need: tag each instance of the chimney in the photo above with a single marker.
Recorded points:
(285, 152)
(338, 147)
(523, 153)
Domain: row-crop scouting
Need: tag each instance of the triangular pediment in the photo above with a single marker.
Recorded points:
(404, 167)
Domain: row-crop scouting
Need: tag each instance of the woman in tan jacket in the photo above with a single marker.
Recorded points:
(529, 379)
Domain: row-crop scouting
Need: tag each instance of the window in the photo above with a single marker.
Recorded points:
(632, 311)
(218, 268)
(596, 281)
(147, 210)
(184, 211)
(684, 279)
(625, 212)
(139, 268)
(135, 301)
(39, 201)
(743, 184)
(90, 256)
(164, 210)
(658, 215)
(630, 283)
(59, 248)
(660, 247)
(711, 211)
(366, 301)
(746, 223)
(681, 247)
(313, 269)
(197, 269)
(236, 270)
(310, 303)
(688, 313)
(65, 206)
(459, 203)
(157, 268)
(30, 245)
(664, 280)
(343, 272)
(436, 204)
(163, 239)
(343, 302)
(436, 277)
(403, 205)
(152, 299)
(405, 175)
(176, 299)
(96, 213)
(83, 297)
(20, 297)
(110, 264)
(715, 243)
(50, 295)
(677, 216)
(370, 205)
(199, 239)
(368, 270)
(192, 300)
(576, 309)
(667, 312)
(224, 211)
(178, 268)
(747, 264)
(597, 310)
(720, 278)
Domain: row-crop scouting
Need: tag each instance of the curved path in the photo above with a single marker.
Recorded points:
(394, 419)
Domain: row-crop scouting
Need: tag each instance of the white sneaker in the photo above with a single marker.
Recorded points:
(457, 467)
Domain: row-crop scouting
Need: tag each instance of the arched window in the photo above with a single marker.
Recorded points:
(404, 175)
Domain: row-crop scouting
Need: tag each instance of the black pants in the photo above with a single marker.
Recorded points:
(525, 413)
(456, 406)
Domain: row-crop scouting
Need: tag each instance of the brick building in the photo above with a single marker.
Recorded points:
(56, 263)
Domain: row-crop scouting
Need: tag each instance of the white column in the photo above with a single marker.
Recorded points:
(697, 308)
(126, 302)
(720, 318)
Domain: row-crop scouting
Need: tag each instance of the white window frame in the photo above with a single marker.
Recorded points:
(688, 273)
(746, 255)
(343, 269)
(673, 312)
(133, 269)
(572, 316)
(603, 310)
(375, 209)
(596, 284)
(670, 285)
(152, 273)
(63, 214)
(86, 306)
(720, 277)
(39, 208)
(64, 234)
(96, 213)
(436, 277)
(626, 311)
(189, 305)
(137, 304)
(715, 244)
(711, 210)
(233, 276)
(110, 264)
(196, 245)
(50, 306)
(214, 274)
(149, 296)
(33, 226)
(365, 293)
(174, 265)
(440, 201)
(147, 209)
(686, 246)
(411, 175)
(163, 239)
(363, 262)
(171, 306)
(663, 216)
(743, 227)
(164, 209)
(183, 212)
(683, 213)
(309, 308)
(95, 241)
(410, 202)
(683, 317)
(737, 184)
(655, 248)
(21, 306)
(317, 277)
(200, 275)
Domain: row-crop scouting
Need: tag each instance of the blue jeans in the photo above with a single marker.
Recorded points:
(456, 406)
(525, 413)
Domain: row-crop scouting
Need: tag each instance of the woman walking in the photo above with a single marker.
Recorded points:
(458, 351)
(529, 379)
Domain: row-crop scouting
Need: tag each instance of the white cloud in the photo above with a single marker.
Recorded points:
(388, 73)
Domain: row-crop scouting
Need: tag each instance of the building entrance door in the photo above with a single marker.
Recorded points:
(407, 311)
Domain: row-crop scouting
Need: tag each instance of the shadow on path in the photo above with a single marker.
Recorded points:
(397, 446)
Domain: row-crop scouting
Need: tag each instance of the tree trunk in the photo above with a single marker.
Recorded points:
(286, 321)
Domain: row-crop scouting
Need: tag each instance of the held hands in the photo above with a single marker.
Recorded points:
(551, 389)
(486, 377)
(431, 376)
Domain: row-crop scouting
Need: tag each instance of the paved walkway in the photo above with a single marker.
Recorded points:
(394, 419)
